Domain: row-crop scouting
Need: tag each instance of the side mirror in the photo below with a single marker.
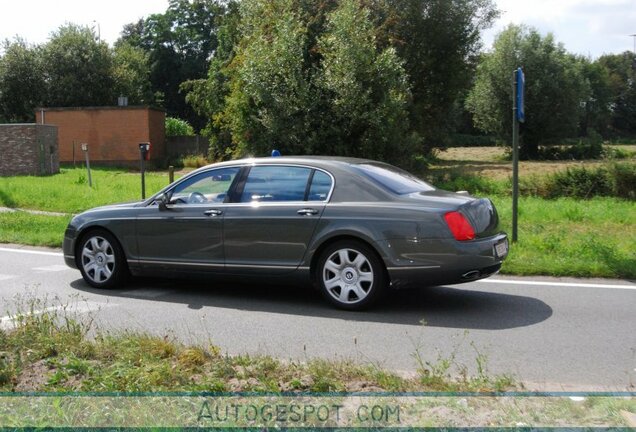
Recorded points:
(163, 202)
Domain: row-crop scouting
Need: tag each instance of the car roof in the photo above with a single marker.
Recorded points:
(317, 161)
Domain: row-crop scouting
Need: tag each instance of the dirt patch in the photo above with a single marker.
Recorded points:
(34, 376)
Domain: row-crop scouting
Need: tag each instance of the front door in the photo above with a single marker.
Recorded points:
(188, 235)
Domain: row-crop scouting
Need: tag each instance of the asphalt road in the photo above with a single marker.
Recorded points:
(552, 334)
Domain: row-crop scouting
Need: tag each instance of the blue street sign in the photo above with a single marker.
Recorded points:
(521, 83)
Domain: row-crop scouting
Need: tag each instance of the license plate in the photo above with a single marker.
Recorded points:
(501, 249)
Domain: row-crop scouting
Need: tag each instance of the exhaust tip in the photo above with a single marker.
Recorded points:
(471, 275)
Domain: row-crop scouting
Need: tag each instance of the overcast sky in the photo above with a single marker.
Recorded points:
(588, 27)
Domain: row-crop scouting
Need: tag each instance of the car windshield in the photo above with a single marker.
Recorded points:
(394, 179)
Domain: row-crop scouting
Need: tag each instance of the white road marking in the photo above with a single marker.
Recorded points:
(7, 277)
(557, 284)
(53, 268)
(9, 321)
(32, 252)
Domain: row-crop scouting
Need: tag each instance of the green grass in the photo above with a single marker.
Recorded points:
(570, 237)
(34, 230)
(69, 192)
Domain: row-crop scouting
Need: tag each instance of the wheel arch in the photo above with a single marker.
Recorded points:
(87, 229)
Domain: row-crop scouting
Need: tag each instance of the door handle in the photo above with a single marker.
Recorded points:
(307, 212)
(213, 212)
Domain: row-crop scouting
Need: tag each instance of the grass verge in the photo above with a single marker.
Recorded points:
(33, 230)
(51, 352)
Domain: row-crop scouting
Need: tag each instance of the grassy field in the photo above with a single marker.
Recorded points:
(562, 237)
(69, 192)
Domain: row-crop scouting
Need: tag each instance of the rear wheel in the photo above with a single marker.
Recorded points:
(350, 275)
(101, 260)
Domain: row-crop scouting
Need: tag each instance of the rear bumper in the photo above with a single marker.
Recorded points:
(412, 263)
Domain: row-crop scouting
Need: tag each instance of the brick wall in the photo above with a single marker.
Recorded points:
(113, 134)
(28, 149)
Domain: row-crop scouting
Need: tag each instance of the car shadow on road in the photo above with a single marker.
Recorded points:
(461, 307)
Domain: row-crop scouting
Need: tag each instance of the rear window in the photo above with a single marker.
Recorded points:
(394, 179)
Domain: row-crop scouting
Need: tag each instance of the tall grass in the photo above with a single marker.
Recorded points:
(69, 192)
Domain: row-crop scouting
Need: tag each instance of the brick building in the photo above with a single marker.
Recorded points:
(28, 149)
(112, 133)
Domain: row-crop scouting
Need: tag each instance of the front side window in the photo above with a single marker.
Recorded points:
(275, 184)
(207, 187)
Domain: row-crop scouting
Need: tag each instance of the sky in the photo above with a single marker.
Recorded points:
(587, 27)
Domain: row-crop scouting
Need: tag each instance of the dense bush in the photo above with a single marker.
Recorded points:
(615, 180)
(581, 149)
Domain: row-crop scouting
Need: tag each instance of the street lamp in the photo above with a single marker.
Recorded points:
(99, 31)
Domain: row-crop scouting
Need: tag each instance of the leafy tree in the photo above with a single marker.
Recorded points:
(439, 41)
(621, 69)
(131, 74)
(597, 107)
(178, 127)
(78, 68)
(367, 89)
(555, 89)
(180, 43)
(22, 85)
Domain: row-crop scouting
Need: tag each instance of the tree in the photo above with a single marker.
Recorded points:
(555, 89)
(78, 68)
(131, 74)
(439, 41)
(22, 85)
(180, 43)
(367, 89)
(621, 69)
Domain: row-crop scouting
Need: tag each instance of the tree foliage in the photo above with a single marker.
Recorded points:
(78, 68)
(180, 43)
(306, 78)
(439, 42)
(621, 70)
(555, 89)
(22, 85)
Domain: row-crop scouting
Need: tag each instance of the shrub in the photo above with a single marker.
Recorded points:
(615, 180)
(465, 140)
(584, 148)
(178, 127)
(624, 179)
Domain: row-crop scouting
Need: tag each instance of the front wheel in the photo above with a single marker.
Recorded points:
(350, 275)
(101, 260)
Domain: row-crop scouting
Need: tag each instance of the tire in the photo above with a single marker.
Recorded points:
(101, 259)
(350, 275)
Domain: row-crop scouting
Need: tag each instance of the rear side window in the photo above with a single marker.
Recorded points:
(275, 184)
(394, 179)
(320, 187)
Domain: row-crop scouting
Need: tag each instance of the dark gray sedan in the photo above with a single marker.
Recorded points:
(354, 227)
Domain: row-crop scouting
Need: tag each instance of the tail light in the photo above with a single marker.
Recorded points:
(459, 226)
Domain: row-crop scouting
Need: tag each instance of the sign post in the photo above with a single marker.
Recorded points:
(88, 164)
(518, 116)
(144, 155)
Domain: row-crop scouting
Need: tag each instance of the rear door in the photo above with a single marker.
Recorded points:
(268, 229)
